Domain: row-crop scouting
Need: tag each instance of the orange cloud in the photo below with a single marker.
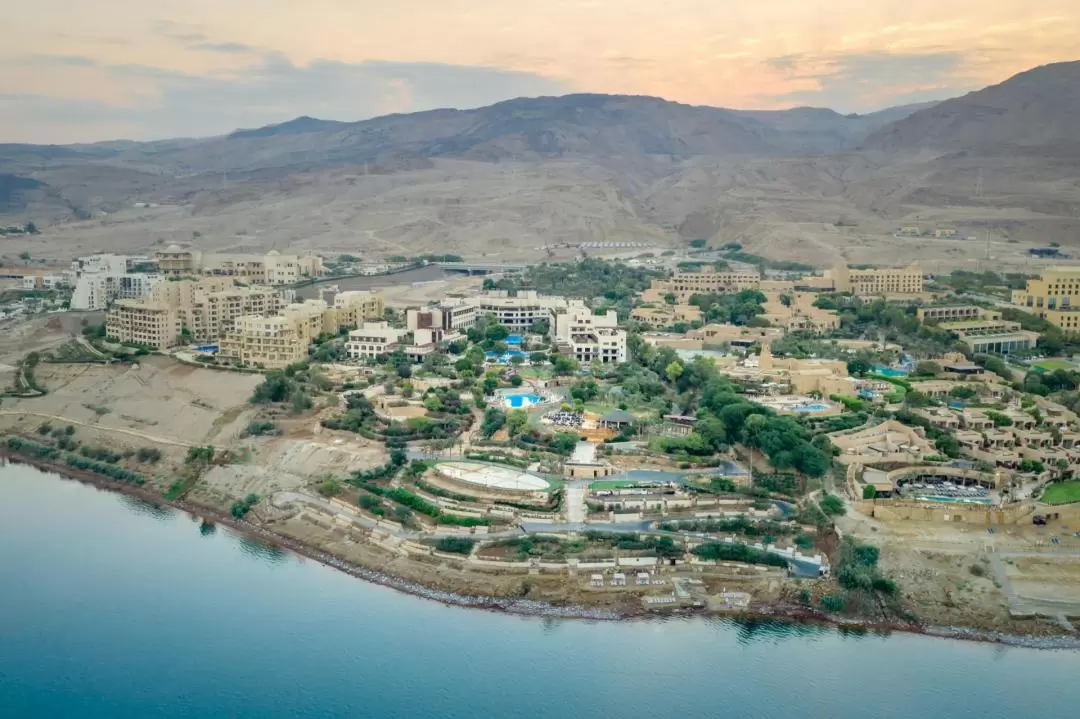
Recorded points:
(737, 53)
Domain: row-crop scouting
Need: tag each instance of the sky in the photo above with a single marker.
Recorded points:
(89, 70)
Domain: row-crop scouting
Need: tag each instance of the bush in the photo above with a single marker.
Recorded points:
(832, 505)
(722, 551)
(833, 602)
(148, 455)
(455, 545)
(257, 428)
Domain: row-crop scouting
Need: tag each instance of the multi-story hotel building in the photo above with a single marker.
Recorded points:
(881, 281)
(373, 339)
(148, 323)
(273, 268)
(272, 342)
(518, 312)
(1055, 296)
(587, 336)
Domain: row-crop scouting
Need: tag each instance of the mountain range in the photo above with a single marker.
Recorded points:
(506, 180)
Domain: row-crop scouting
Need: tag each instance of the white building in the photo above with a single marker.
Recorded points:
(586, 336)
(96, 290)
(520, 312)
(373, 339)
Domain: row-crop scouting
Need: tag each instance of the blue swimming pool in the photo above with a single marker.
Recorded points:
(889, 371)
(514, 340)
(521, 401)
(955, 500)
(809, 407)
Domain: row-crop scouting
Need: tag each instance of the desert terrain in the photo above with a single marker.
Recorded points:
(514, 180)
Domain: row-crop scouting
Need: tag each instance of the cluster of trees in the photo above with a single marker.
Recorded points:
(240, 509)
(279, 387)
(28, 229)
(616, 282)
(455, 545)
(726, 417)
(735, 552)
(741, 308)
(735, 525)
(857, 568)
(75, 461)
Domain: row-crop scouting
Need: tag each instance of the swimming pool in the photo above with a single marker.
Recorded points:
(521, 401)
(956, 500)
(889, 371)
(513, 340)
(808, 407)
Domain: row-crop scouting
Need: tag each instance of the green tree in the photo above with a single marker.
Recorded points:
(516, 419)
(673, 371)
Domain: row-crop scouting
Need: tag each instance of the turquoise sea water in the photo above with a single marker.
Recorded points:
(113, 608)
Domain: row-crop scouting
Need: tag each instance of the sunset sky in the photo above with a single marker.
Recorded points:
(76, 70)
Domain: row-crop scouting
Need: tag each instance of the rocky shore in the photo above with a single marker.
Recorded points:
(521, 606)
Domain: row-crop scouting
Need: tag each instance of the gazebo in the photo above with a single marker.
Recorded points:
(617, 419)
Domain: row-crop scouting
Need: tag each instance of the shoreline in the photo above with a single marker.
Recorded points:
(526, 607)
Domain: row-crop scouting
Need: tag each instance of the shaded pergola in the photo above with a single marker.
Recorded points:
(617, 419)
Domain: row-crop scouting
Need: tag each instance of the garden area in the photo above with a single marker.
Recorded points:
(1061, 493)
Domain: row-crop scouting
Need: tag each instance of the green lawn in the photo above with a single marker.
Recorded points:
(611, 484)
(1049, 365)
(1062, 493)
(536, 372)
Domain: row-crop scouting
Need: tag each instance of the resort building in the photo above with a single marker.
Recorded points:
(446, 318)
(519, 312)
(586, 336)
(97, 280)
(795, 311)
(707, 281)
(273, 268)
(992, 336)
(354, 307)
(153, 324)
(373, 339)
(877, 282)
(665, 315)
(205, 309)
(951, 313)
(279, 339)
(1053, 296)
(273, 342)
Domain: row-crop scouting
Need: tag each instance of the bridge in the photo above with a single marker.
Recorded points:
(481, 268)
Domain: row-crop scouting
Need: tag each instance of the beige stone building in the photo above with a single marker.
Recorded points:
(707, 281)
(153, 324)
(279, 339)
(204, 309)
(1055, 296)
(877, 281)
(665, 315)
(273, 268)
(273, 342)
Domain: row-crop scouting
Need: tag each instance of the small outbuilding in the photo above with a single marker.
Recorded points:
(617, 419)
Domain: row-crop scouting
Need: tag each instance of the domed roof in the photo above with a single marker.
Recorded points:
(173, 248)
(273, 252)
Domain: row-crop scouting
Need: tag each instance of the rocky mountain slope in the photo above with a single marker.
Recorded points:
(511, 178)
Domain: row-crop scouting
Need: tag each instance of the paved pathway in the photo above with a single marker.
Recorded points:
(575, 501)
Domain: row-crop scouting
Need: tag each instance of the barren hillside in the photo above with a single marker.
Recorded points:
(506, 180)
